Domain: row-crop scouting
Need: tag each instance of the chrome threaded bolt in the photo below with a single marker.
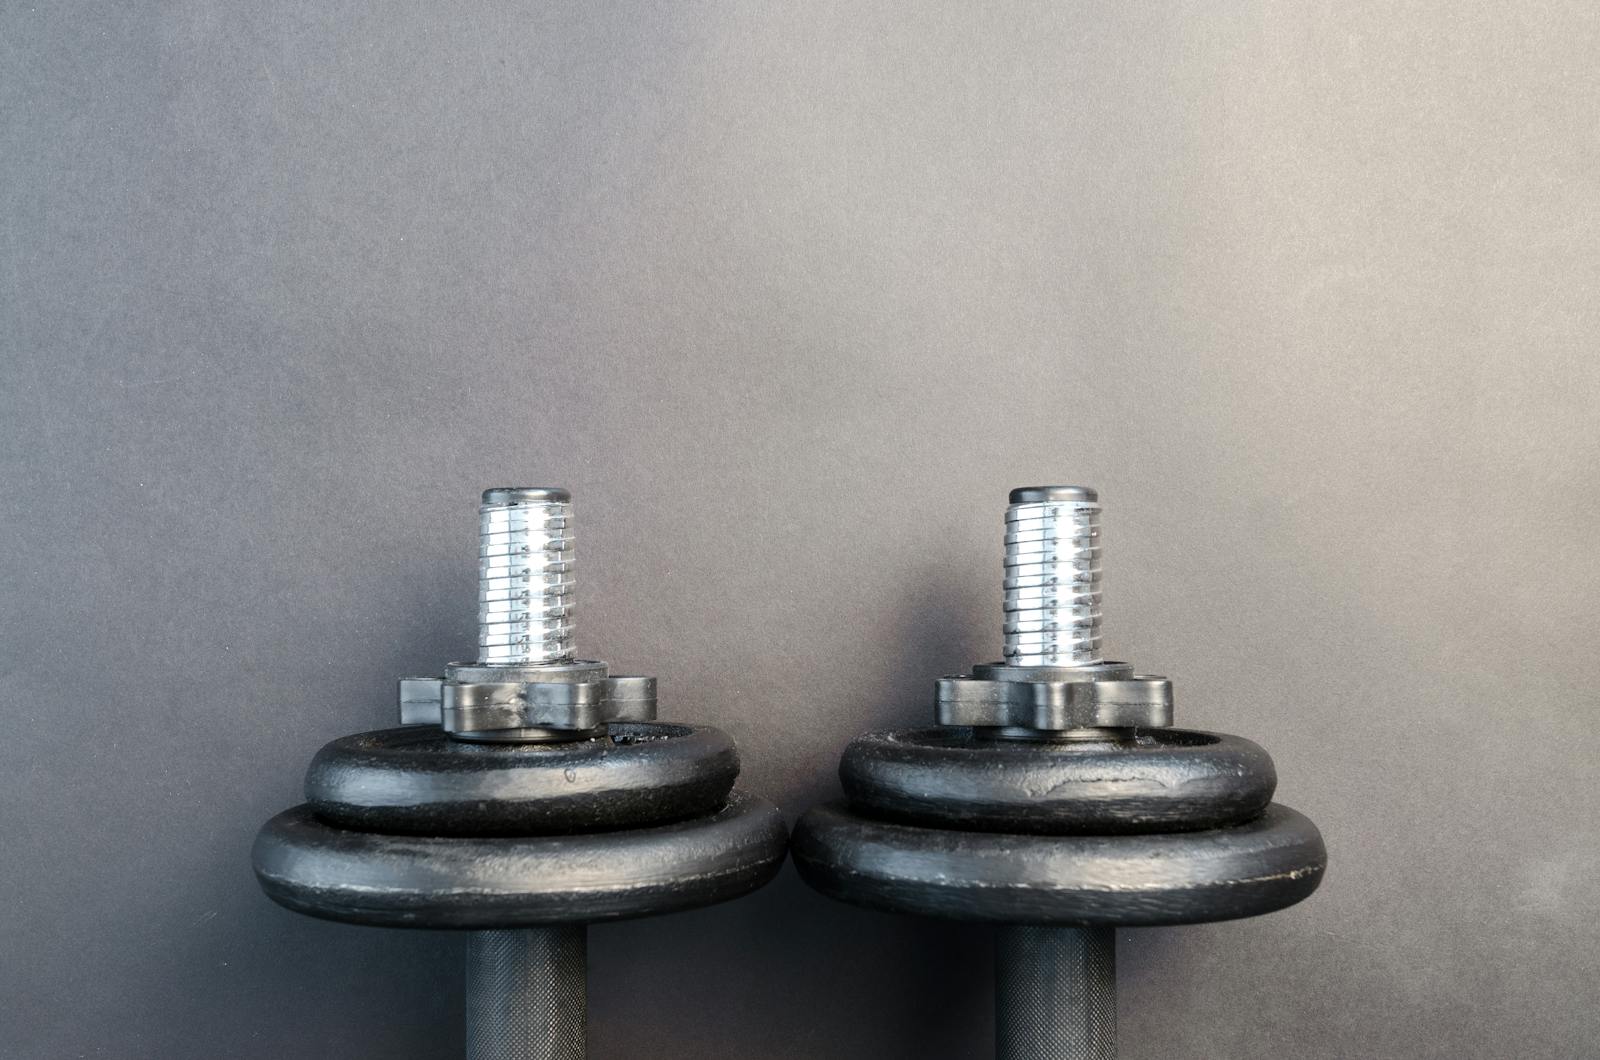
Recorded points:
(525, 686)
(1052, 577)
(525, 578)
(1053, 683)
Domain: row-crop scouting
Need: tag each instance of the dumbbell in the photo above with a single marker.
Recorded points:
(525, 795)
(1054, 800)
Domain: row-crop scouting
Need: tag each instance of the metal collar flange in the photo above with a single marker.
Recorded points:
(1048, 699)
(494, 703)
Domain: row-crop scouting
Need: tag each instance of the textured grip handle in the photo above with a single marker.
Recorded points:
(527, 994)
(1055, 993)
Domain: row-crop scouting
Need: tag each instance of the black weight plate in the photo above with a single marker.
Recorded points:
(517, 881)
(416, 780)
(1165, 780)
(1180, 878)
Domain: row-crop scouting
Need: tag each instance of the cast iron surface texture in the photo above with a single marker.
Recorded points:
(527, 993)
(1163, 780)
(1055, 993)
(417, 780)
(499, 882)
(1262, 865)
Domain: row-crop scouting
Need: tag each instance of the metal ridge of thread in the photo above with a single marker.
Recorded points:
(525, 578)
(1052, 577)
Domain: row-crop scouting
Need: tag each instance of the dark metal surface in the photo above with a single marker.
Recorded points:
(418, 780)
(505, 703)
(470, 882)
(1179, 878)
(1055, 991)
(530, 700)
(1134, 701)
(527, 993)
(1164, 780)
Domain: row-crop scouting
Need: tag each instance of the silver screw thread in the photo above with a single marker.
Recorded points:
(1052, 586)
(525, 577)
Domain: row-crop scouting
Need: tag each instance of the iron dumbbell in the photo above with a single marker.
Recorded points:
(1054, 800)
(526, 795)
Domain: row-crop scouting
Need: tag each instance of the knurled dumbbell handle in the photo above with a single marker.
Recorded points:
(1055, 993)
(527, 993)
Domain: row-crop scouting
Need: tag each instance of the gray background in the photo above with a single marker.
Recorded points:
(789, 295)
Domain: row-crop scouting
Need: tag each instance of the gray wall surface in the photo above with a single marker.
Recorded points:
(790, 295)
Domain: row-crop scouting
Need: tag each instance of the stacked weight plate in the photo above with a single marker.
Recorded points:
(525, 844)
(1060, 840)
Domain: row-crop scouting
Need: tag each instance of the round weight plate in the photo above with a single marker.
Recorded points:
(1181, 878)
(418, 781)
(1165, 780)
(517, 881)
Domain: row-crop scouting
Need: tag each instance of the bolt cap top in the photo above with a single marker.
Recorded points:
(507, 495)
(1052, 494)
